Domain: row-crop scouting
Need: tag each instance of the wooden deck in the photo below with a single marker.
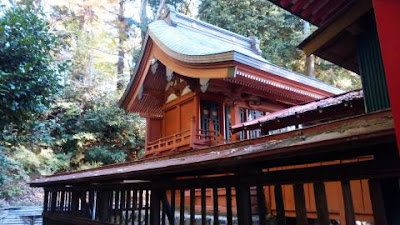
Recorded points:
(305, 175)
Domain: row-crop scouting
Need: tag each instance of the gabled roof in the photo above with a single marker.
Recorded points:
(194, 41)
(200, 50)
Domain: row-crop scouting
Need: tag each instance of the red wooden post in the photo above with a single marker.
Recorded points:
(387, 15)
(193, 130)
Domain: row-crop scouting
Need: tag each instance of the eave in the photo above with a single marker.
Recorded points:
(186, 68)
(336, 40)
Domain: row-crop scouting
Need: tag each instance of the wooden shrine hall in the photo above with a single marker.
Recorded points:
(234, 139)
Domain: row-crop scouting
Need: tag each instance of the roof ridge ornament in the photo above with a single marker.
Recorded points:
(255, 44)
(168, 14)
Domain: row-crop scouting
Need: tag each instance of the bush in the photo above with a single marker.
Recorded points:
(104, 155)
(29, 74)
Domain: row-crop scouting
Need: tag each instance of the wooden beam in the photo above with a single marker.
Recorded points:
(326, 34)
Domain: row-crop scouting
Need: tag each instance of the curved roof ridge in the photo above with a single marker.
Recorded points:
(174, 18)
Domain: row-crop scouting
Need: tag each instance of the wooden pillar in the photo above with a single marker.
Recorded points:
(215, 206)
(385, 199)
(193, 130)
(53, 201)
(229, 205)
(387, 15)
(45, 206)
(300, 204)
(243, 203)
(280, 207)
(155, 199)
(203, 206)
(321, 203)
(192, 198)
(262, 207)
(102, 206)
(46, 200)
(148, 133)
(348, 203)
(235, 119)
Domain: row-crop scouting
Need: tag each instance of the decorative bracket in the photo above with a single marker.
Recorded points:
(154, 65)
(255, 45)
(204, 82)
(168, 14)
(169, 74)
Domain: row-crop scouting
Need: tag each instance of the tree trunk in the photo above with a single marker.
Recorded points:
(309, 59)
(121, 40)
(160, 7)
(143, 18)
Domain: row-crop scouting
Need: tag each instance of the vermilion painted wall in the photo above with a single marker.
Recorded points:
(387, 14)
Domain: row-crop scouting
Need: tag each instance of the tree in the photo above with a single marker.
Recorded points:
(29, 72)
(182, 6)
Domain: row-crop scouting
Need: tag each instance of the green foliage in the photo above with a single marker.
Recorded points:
(50, 126)
(28, 71)
(95, 121)
(105, 155)
(81, 130)
(3, 166)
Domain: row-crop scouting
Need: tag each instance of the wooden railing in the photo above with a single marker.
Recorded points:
(192, 138)
(208, 137)
(169, 142)
(220, 200)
